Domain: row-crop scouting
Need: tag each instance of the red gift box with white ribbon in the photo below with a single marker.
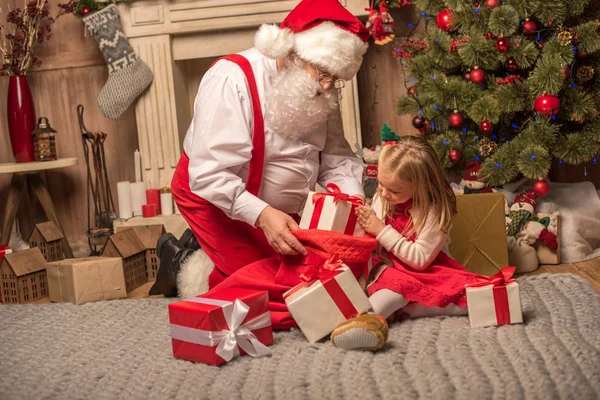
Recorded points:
(332, 211)
(215, 328)
(494, 300)
(327, 296)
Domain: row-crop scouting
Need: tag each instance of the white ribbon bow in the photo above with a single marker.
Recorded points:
(229, 341)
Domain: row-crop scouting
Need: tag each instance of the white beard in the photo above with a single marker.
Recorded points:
(296, 105)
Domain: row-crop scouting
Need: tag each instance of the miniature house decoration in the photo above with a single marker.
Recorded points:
(128, 246)
(23, 277)
(47, 237)
(149, 235)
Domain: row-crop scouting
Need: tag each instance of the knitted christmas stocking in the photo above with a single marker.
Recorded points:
(128, 76)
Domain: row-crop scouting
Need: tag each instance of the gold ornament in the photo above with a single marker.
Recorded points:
(585, 73)
(565, 37)
(487, 147)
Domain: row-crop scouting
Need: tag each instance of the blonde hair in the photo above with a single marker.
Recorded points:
(414, 161)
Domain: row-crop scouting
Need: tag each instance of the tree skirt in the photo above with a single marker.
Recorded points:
(122, 349)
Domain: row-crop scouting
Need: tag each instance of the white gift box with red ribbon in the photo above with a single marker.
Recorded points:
(332, 211)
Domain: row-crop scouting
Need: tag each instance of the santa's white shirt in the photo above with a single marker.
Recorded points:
(219, 144)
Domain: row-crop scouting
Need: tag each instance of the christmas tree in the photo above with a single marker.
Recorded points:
(512, 84)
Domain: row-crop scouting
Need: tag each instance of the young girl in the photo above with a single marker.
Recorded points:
(417, 276)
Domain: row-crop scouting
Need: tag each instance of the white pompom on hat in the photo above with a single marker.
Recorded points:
(322, 32)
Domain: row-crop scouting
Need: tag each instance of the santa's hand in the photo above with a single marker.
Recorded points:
(369, 221)
(276, 226)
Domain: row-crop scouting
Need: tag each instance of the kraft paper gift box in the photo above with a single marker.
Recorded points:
(327, 297)
(494, 300)
(478, 235)
(83, 280)
(332, 211)
(217, 327)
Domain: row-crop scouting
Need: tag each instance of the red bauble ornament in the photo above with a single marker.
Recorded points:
(412, 91)
(486, 127)
(541, 188)
(492, 3)
(455, 156)
(548, 105)
(502, 44)
(418, 122)
(425, 126)
(85, 11)
(477, 75)
(511, 64)
(581, 54)
(444, 20)
(456, 119)
(529, 27)
(567, 72)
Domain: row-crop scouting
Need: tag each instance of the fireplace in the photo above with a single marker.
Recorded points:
(179, 39)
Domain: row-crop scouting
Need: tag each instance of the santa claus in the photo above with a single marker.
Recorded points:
(266, 130)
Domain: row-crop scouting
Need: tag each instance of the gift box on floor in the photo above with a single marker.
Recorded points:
(83, 280)
(478, 235)
(327, 296)
(215, 328)
(494, 300)
(332, 211)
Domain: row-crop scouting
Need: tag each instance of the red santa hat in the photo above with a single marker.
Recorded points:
(471, 176)
(322, 32)
(525, 200)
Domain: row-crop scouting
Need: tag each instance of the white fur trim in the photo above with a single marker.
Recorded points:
(192, 280)
(334, 49)
(274, 42)
(522, 206)
(472, 184)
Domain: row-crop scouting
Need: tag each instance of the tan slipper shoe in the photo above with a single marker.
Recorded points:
(364, 332)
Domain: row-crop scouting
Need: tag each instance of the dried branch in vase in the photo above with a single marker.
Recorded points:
(23, 30)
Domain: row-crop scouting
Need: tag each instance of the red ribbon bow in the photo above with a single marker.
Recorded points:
(499, 282)
(334, 190)
(499, 279)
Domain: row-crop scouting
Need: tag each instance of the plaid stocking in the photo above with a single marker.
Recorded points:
(128, 76)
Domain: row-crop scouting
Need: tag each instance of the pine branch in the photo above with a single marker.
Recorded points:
(534, 161)
(503, 21)
(547, 76)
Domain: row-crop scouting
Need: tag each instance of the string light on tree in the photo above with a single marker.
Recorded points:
(456, 119)
(454, 156)
(541, 187)
(529, 27)
(85, 11)
(412, 91)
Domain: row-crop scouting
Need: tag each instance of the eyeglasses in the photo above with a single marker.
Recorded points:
(325, 79)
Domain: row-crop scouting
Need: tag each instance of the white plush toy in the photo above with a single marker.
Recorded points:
(524, 229)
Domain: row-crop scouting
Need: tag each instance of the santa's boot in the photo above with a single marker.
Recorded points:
(184, 268)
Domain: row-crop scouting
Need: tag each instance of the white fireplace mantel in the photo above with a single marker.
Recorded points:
(163, 32)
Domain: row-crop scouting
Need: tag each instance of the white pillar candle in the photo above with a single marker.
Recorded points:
(138, 197)
(138, 165)
(124, 198)
(166, 202)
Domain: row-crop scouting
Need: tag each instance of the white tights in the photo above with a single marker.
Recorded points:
(385, 302)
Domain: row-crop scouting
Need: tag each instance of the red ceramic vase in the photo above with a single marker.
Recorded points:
(21, 118)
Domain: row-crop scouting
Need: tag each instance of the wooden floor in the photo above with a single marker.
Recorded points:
(589, 270)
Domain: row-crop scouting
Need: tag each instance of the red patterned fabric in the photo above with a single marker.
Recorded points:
(280, 273)
(440, 284)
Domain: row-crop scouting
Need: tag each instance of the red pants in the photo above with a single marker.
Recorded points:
(230, 244)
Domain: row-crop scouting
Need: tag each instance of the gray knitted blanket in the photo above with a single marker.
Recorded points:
(122, 350)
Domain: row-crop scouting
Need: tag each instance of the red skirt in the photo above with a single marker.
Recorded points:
(440, 284)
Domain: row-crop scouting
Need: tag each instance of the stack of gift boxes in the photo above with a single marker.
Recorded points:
(227, 323)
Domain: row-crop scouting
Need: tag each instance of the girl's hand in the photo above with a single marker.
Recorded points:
(369, 221)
